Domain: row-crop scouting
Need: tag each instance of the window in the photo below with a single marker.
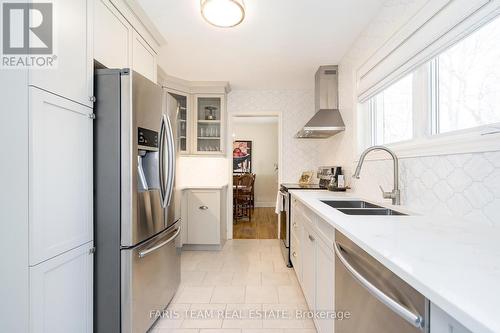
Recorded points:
(468, 81)
(457, 90)
(391, 113)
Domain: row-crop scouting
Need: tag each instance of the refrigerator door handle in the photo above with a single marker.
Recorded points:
(171, 160)
(415, 320)
(161, 161)
(144, 253)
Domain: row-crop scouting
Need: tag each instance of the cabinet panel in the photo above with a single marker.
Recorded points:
(203, 217)
(60, 175)
(180, 102)
(325, 284)
(441, 322)
(308, 266)
(112, 36)
(73, 75)
(295, 244)
(209, 130)
(61, 293)
(144, 59)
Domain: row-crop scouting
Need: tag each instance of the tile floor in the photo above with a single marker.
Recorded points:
(230, 291)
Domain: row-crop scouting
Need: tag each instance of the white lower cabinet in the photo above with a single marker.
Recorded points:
(314, 264)
(61, 293)
(61, 176)
(441, 322)
(203, 217)
(309, 266)
(325, 266)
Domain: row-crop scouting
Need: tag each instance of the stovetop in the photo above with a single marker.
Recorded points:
(286, 187)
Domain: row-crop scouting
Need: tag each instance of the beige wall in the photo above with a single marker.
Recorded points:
(264, 137)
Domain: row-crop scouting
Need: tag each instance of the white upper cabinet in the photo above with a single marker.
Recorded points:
(73, 75)
(117, 43)
(210, 117)
(112, 36)
(61, 293)
(60, 175)
(144, 58)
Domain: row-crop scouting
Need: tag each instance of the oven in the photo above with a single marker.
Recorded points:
(284, 225)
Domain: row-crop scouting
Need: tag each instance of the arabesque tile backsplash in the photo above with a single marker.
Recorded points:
(461, 185)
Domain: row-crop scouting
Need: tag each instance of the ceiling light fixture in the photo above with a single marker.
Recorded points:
(223, 13)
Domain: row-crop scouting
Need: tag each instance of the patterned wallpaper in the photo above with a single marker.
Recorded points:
(464, 185)
(297, 107)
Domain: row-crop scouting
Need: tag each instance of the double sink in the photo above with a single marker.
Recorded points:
(359, 207)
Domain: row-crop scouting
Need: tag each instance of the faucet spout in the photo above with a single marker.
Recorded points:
(395, 195)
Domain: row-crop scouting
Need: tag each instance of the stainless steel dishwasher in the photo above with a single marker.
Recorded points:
(378, 301)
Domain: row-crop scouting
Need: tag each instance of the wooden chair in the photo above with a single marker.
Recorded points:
(242, 197)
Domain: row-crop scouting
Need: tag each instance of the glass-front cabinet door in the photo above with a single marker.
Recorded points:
(209, 127)
(181, 102)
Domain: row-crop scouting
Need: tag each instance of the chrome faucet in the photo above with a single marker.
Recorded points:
(395, 195)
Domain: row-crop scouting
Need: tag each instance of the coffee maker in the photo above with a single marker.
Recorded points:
(326, 173)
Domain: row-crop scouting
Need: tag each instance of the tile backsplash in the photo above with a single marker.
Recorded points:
(296, 107)
(461, 185)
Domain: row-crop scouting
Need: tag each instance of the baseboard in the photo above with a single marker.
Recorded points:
(265, 204)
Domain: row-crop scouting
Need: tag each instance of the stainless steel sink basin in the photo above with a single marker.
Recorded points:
(350, 204)
(370, 211)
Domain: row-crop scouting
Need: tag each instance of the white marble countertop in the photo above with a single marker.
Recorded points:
(455, 264)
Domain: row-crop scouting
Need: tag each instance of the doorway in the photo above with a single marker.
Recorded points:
(255, 175)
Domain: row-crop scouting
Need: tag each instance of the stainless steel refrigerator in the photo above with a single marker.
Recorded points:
(137, 262)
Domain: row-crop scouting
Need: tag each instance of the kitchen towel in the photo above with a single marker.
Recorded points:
(279, 203)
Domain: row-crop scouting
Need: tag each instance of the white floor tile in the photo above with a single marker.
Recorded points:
(205, 316)
(275, 279)
(218, 278)
(290, 294)
(195, 295)
(261, 294)
(243, 316)
(247, 275)
(228, 294)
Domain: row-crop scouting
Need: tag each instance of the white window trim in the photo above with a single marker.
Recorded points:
(474, 140)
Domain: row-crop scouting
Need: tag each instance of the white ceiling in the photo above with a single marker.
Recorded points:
(279, 45)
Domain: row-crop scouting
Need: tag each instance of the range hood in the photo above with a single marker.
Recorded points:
(327, 121)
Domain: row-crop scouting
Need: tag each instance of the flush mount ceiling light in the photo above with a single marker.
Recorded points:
(223, 13)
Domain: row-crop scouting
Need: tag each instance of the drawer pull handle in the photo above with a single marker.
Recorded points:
(311, 238)
(203, 207)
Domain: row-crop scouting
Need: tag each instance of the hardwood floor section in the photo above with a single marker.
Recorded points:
(263, 225)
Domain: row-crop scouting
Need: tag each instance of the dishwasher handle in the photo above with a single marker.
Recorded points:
(412, 318)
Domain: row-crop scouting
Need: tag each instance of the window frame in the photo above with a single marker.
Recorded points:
(427, 141)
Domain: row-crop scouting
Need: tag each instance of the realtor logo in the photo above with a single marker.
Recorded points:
(27, 38)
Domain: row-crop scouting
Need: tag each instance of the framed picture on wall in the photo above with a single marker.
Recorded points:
(242, 156)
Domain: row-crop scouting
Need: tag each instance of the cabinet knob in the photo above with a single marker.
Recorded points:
(92, 250)
(203, 207)
(295, 225)
(92, 99)
(294, 254)
(311, 238)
